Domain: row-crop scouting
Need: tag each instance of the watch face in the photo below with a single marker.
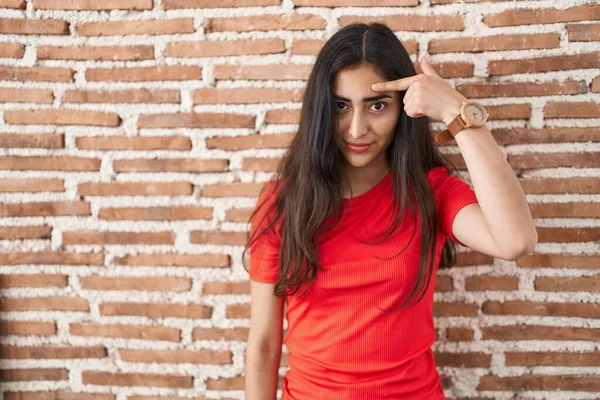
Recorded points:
(475, 112)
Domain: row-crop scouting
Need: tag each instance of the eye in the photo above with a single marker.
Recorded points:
(382, 106)
(382, 103)
(337, 103)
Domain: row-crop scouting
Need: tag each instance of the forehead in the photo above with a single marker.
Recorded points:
(355, 83)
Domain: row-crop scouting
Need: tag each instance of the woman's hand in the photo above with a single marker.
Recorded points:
(426, 94)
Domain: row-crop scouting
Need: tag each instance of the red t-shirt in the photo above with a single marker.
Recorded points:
(341, 346)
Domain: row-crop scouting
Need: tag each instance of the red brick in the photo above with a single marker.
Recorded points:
(567, 235)
(245, 142)
(283, 116)
(222, 48)
(55, 116)
(196, 120)
(480, 282)
(463, 360)
(136, 379)
(267, 22)
(207, 356)
(579, 310)
(539, 332)
(172, 165)
(355, 3)
(147, 283)
(237, 311)
(551, 383)
(307, 46)
(420, 23)
(175, 260)
(122, 96)
(31, 185)
(34, 374)
(239, 333)
(223, 238)
(455, 309)
(226, 287)
(567, 210)
(50, 208)
(52, 352)
(174, 142)
(443, 283)
(555, 358)
(51, 258)
(171, 4)
(520, 16)
(139, 27)
(34, 26)
(142, 332)
(107, 5)
(545, 135)
(565, 109)
(96, 53)
(157, 310)
(11, 50)
(567, 284)
(141, 74)
(33, 280)
(246, 95)
(459, 334)
(36, 74)
(266, 164)
(32, 140)
(50, 303)
(494, 43)
(37, 96)
(25, 232)
(282, 72)
(552, 160)
(134, 188)
(20, 4)
(57, 395)
(520, 89)
(27, 328)
(117, 238)
(560, 185)
(172, 213)
(583, 32)
(559, 261)
(544, 64)
(52, 163)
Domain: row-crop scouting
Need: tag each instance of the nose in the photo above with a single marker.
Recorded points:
(358, 125)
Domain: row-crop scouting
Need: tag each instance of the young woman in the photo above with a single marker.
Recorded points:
(362, 212)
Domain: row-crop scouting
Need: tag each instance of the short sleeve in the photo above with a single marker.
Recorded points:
(452, 194)
(264, 251)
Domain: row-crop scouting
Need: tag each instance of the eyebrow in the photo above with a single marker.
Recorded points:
(366, 99)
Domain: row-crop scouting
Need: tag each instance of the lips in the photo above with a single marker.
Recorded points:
(358, 144)
(358, 148)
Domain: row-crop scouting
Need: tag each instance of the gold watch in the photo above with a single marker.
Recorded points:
(472, 115)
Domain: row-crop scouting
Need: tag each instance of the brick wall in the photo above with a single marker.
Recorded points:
(136, 135)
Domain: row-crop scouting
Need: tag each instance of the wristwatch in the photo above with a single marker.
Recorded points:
(472, 115)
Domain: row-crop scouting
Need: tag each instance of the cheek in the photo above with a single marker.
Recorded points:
(385, 125)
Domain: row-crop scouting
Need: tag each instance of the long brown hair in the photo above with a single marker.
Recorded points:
(305, 189)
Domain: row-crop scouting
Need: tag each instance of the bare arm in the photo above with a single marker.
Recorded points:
(265, 338)
(261, 374)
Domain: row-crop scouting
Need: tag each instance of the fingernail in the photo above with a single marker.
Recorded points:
(376, 86)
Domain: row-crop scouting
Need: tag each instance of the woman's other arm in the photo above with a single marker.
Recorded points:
(265, 338)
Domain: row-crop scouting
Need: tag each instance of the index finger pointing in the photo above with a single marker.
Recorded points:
(398, 84)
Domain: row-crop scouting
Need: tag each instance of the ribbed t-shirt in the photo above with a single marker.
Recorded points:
(341, 344)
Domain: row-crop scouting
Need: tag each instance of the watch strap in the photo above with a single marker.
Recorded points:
(447, 135)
